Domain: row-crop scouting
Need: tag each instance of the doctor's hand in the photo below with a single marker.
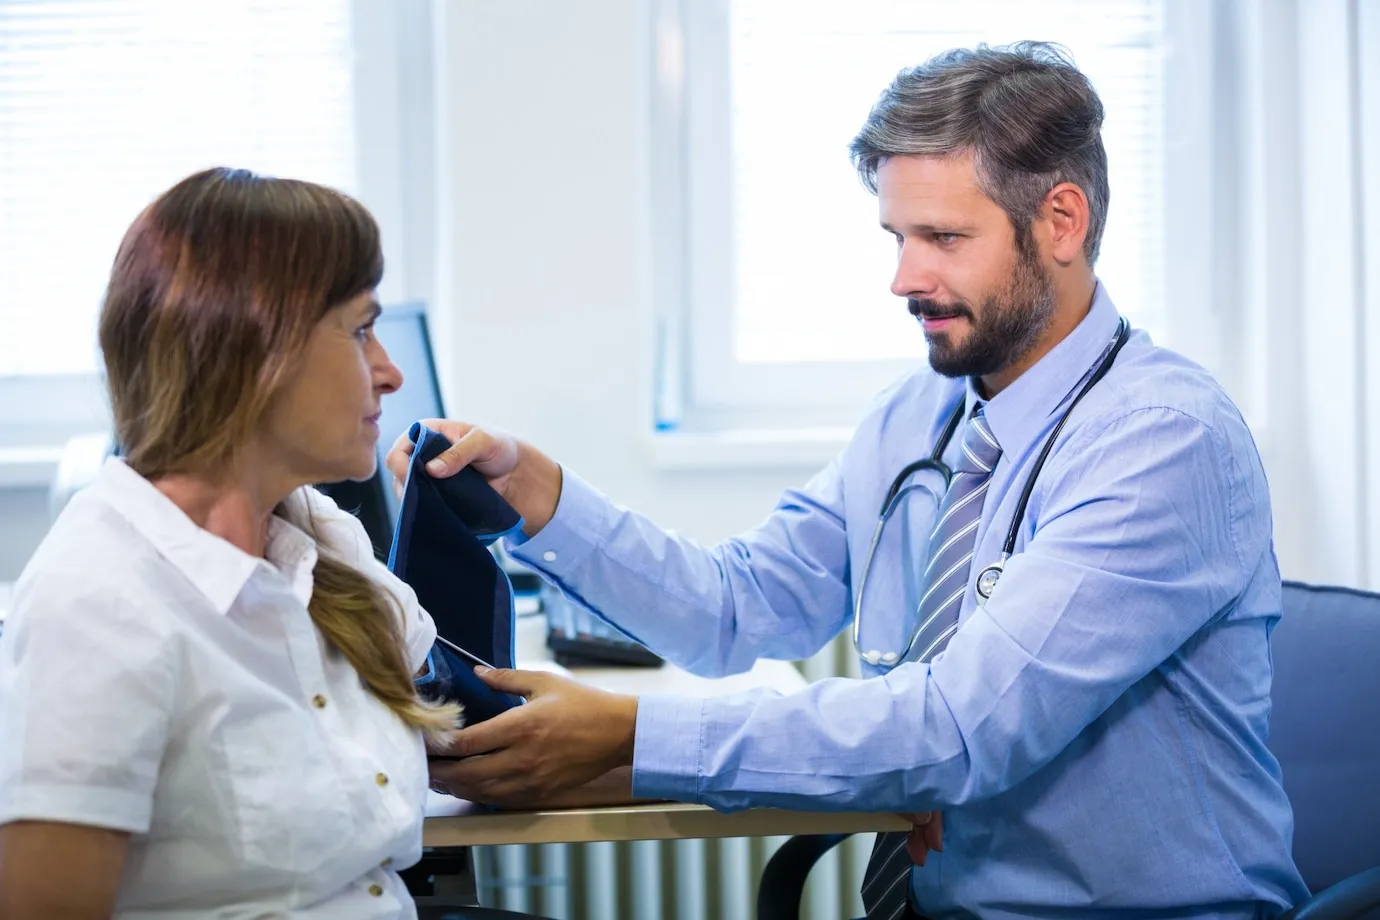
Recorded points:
(926, 833)
(565, 736)
(527, 479)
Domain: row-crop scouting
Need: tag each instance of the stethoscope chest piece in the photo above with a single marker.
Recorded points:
(987, 580)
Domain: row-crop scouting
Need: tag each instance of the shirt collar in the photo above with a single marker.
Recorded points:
(214, 566)
(1019, 412)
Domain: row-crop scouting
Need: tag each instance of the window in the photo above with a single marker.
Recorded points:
(106, 103)
(785, 314)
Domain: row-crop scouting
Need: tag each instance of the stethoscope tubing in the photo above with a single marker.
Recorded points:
(988, 577)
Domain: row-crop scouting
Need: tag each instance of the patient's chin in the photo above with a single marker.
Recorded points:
(358, 470)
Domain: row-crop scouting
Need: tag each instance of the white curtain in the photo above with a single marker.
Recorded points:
(1296, 265)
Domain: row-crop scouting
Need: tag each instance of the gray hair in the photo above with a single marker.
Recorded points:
(1030, 118)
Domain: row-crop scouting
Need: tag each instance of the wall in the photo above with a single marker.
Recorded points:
(544, 319)
(23, 521)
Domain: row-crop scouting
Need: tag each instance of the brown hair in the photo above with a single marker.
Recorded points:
(1030, 118)
(214, 294)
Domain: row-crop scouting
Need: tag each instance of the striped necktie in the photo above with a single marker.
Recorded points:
(885, 893)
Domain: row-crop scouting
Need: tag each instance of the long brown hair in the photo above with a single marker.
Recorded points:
(214, 294)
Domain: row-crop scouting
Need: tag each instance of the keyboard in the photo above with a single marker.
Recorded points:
(577, 638)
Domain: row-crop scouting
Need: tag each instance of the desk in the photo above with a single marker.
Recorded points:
(451, 822)
(662, 821)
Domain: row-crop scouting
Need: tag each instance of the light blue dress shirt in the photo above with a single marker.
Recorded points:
(1095, 735)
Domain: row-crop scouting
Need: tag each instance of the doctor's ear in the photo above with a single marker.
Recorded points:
(1064, 216)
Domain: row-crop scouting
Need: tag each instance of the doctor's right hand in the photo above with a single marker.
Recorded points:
(926, 833)
(527, 479)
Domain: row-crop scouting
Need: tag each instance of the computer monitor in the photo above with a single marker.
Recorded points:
(403, 332)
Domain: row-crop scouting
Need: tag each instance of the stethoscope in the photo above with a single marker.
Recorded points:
(987, 579)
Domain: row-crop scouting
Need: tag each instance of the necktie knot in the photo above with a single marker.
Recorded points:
(980, 448)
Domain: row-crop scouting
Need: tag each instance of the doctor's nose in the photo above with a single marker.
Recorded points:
(914, 276)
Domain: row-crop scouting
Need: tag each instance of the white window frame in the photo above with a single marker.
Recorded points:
(395, 163)
(1368, 89)
(705, 398)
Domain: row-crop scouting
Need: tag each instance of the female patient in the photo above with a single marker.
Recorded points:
(206, 699)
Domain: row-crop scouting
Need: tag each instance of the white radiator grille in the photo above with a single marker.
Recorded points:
(660, 880)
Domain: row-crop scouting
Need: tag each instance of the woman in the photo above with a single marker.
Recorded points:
(206, 697)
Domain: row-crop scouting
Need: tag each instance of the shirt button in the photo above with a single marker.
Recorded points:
(549, 555)
(376, 890)
(386, 863)
(381, 779)
(319, 701)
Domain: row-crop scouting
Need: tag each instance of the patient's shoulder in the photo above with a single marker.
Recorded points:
(93, 564)
(341, 534)
(335, 530)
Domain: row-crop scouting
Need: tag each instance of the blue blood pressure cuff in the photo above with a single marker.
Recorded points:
(440, 548)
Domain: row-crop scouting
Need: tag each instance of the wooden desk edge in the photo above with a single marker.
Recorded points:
(644, 822)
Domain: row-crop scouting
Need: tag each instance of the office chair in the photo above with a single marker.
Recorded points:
(1325, 730)
(422, 881)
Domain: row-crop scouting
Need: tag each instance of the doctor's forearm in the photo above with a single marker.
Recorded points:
(779, 590)
(839, 745)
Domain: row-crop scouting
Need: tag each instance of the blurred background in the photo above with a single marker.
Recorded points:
(640, 245)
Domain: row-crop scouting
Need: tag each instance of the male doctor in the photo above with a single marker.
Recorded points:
(1093, 733)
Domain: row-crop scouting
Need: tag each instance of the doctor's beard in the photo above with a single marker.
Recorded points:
(1007, 326)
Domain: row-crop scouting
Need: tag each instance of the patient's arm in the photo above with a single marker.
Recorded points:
(51, 871)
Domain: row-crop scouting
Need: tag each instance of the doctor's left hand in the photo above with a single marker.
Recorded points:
(566, 735)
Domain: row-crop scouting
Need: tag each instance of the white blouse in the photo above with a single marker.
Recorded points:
(157, 680)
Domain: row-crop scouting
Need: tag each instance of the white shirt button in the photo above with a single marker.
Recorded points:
(319, 701)
(381, 779)
(549, 555)
(376, 890)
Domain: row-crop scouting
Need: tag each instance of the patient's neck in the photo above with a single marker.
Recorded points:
(233, 505)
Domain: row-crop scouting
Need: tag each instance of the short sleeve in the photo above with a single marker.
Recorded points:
(343, 535)
(88, 685)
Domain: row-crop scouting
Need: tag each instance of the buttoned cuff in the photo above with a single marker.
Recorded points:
(666, 749)
(578, 527)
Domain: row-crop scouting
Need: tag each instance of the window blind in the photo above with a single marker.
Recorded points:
(106, 103)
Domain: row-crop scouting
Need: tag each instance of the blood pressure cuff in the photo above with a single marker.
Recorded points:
(440, 548)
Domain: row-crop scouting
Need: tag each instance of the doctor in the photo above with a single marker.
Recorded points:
(1094, 731)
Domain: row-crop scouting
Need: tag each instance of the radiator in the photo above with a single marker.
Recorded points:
(670, 880)
(660, 880)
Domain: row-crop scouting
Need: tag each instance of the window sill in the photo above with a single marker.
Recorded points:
(740, 449)
(28, 467)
